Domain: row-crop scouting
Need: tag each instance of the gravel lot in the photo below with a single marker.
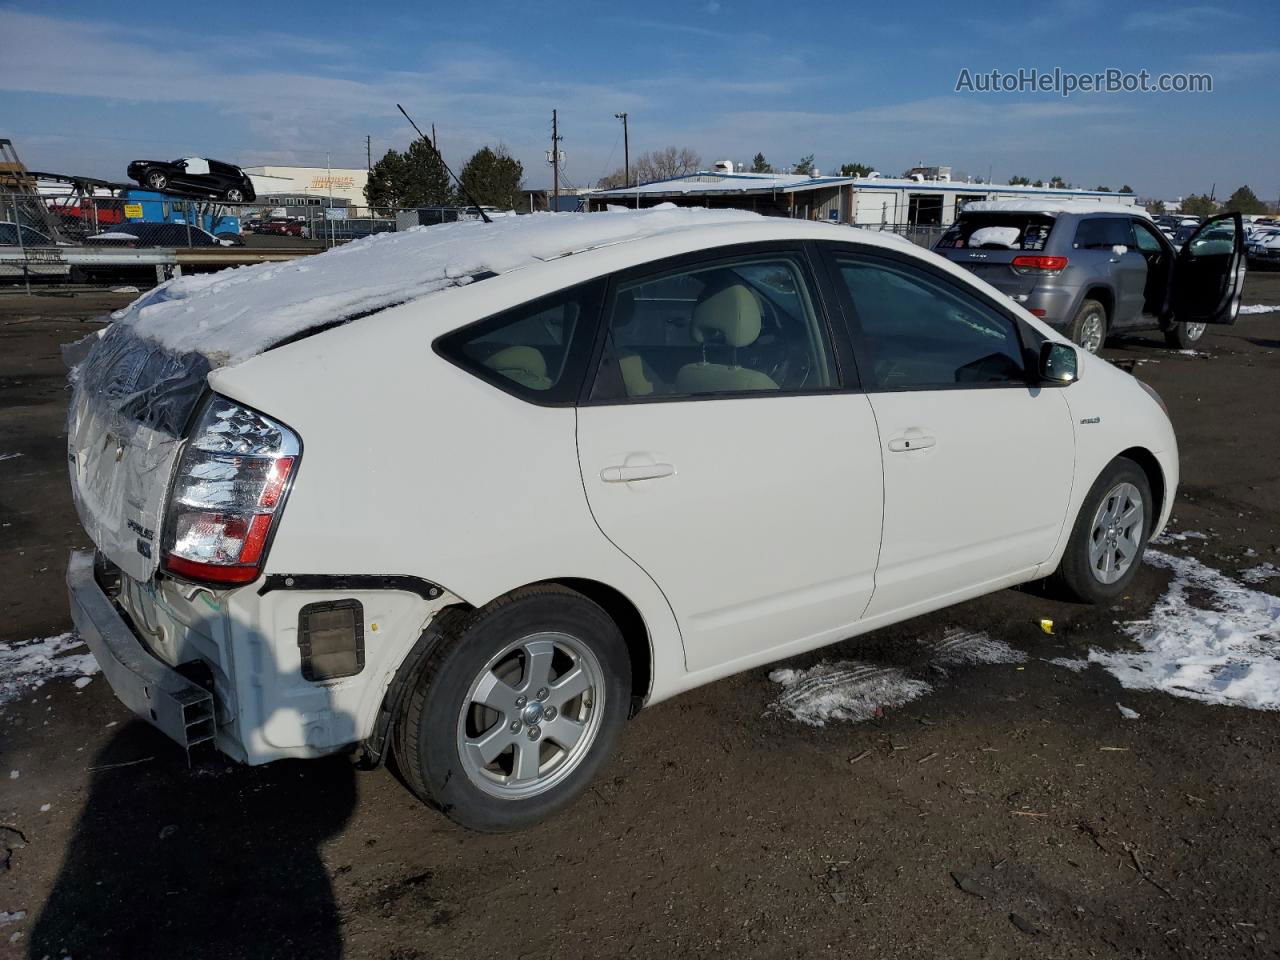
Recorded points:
(1010, 812)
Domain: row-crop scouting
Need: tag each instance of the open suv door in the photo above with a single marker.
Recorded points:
(1208, 279)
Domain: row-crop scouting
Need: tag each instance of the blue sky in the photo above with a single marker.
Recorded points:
(86, 87)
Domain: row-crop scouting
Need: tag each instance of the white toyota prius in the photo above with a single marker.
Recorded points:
(474, 494)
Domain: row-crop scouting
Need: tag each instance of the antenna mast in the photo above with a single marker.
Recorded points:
(461, 186)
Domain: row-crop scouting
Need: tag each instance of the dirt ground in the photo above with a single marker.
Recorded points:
(1011, 813)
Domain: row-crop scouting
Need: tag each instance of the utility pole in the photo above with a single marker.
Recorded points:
(626, 149)
(435, 144)
(555, 162)
(368, 152)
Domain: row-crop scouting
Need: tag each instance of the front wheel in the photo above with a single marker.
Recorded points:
(515, 709)
(1089, 326)
(1110, 533)
(1184, 336)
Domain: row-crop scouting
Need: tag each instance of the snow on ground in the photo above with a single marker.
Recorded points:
(9, 456)
(26, 665)
(1261, 573)
(232, 315)
(1260, 308)
(959, 646)
(855, 691)
(1170, 536)
(1225, 653)
(843, 690)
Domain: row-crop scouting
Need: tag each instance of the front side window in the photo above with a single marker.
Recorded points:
(1147, 240)
(537, 351)
(732, 327)
(917, 330)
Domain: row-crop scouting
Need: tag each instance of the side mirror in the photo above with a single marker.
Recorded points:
(1059, 363)
(1120, 249)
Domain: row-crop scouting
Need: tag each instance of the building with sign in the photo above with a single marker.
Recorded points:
(340, 183)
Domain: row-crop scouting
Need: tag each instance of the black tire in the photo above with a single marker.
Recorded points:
(1081, 330)
(1076, 577)
(428, 731)
(1180, 337)
(233, 195)
(155, 180)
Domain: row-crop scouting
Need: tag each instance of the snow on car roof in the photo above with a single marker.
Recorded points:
(1054, 206)
(235, 314)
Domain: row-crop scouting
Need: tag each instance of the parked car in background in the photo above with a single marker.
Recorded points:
(159, 235)
(354, 228)
(285, 227)
(1092, 269)
(1264, 247)
(702, 442)
(23, 253)
(194, 176)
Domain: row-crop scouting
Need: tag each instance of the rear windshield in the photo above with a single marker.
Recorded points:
(998, 231)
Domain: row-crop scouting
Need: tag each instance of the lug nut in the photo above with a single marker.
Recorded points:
(521, 701)
(515, 726)
(535, 732)
(542, 693)
(549, 713)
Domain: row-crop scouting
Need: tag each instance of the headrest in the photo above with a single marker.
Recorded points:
(733, 310)
(524, 365)
(624, 308)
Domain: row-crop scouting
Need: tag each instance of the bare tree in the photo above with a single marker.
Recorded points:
(656, 165)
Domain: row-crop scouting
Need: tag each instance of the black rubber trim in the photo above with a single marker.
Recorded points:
(350, 581)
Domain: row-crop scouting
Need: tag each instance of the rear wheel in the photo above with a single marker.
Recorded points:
(156, 179)
(234, 195)
(1089, 327)
(1183, 336)
(1110, 533)
(515, 709)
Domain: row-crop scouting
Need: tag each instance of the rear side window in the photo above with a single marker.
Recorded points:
(1103, 233)
(998, 231)
(537, 351)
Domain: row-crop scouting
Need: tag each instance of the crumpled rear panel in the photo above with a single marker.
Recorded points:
(131, 403)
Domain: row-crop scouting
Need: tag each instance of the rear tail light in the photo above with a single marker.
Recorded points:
(228, 492)
(1043, 265)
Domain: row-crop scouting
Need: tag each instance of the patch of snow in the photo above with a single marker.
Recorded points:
(12, 917)
(969, 646)
(843, 690)
(82, 682)
(14, 774)
(125, 289)
(234, 314)
(1170, 536)
(1227, 655)
(9, 456)
(1067, 663)
(1194, 353)
(1127, 713)
(1261, 573)
(26, 665)
(1260, 308)
(46, 807)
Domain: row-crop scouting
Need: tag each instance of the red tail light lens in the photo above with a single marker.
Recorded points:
(1048, 265)
(230, 486)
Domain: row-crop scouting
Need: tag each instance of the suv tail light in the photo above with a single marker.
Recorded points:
(228, 492)
(1049, 266)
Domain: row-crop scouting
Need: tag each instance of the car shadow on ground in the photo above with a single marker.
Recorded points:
(215, 860)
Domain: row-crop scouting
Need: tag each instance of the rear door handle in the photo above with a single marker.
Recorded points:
(645, 471)
(912, 440)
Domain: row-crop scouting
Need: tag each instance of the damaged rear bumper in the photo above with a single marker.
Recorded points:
(152, 689)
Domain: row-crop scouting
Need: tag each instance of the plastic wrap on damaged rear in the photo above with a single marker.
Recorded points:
(131, 401)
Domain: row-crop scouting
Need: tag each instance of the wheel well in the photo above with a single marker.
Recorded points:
(1155, 477)
(1104, 297)
(630, 624)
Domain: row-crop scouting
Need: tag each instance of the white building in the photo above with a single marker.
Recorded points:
(341, 183)
(864, 201)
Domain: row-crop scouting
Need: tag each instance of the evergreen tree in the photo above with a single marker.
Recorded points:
(1101, 189)
(804, 165)
(415, 178)
(1245, 201)
(493, 177)
(1126, 189)
(1020, 181)
(760, 165)
(1199, 205)
(855, 169)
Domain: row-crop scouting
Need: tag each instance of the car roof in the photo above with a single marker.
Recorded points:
(231, 316)
(1054, 207)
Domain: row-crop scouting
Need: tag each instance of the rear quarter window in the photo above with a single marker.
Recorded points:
(998, 231)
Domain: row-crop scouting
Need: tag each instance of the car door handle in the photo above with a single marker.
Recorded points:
(644, 471)
(911, 441)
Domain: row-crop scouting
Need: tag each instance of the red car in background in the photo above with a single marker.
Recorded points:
(285, 228)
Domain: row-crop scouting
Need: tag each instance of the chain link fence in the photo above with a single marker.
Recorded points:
(923, 236)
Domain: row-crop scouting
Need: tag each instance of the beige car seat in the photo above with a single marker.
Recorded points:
(732, 313)
(525, 365)
(639, 379)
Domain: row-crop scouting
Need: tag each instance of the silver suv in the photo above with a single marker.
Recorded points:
(1091, 269)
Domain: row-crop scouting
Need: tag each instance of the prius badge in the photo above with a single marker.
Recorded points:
(1091, 420)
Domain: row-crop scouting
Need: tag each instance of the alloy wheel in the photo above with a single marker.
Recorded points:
(1116, 536)
(531, 715)
(1193, 331)
(1091, 332)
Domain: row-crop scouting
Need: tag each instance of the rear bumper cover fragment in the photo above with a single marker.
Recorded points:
(152, 689)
